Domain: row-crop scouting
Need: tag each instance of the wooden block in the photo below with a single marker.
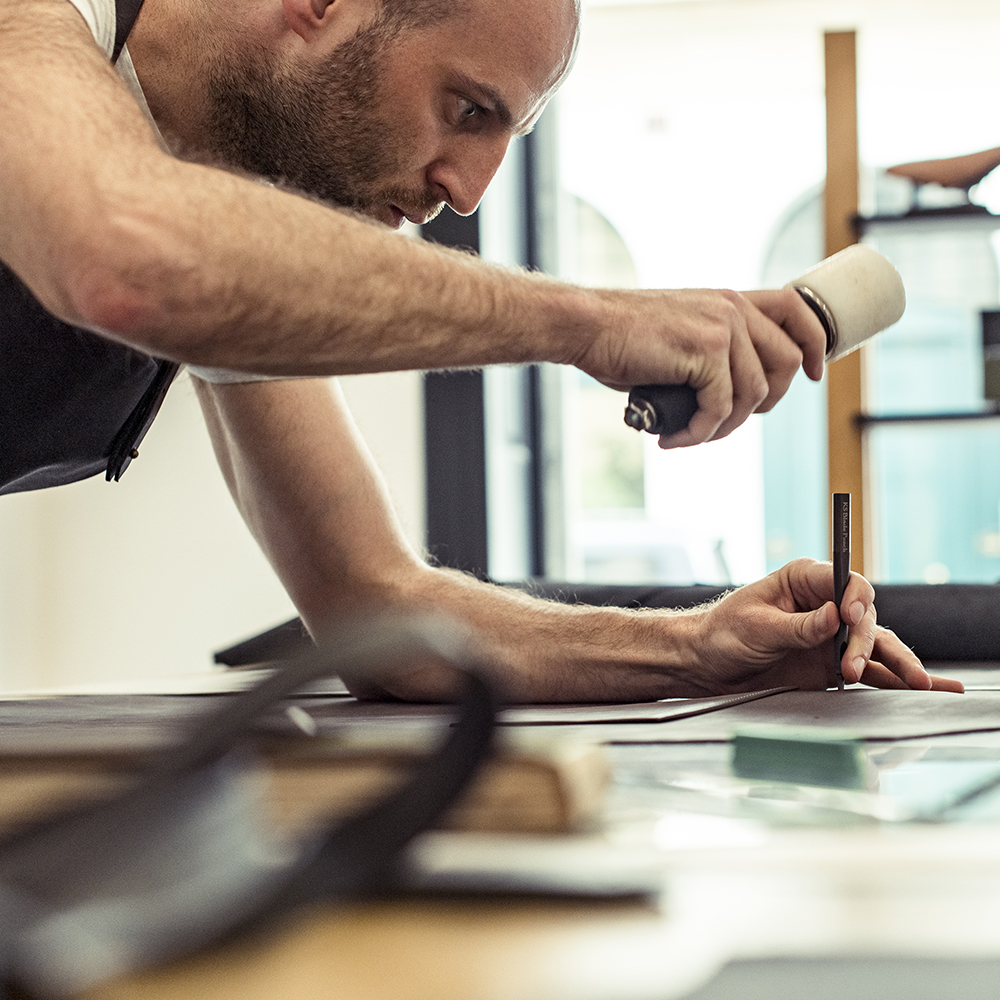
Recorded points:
(530, 786)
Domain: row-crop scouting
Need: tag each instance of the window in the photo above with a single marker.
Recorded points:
(686, 150)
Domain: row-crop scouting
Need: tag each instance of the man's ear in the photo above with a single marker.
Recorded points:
(307, 17)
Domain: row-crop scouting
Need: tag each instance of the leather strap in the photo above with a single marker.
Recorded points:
(125, 445)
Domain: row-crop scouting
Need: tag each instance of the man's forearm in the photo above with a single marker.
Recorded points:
(313, 499)
(543, 651)
(235, 274)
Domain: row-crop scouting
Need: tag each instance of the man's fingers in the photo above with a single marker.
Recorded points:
(879, 676)
(788, 311)
(857, 592)
(763, 361)
(811, 582)
(946, 684)
(860, 640)
(750, 382)
(715, 404)
(857, 609)
(894, 654)
(779, 357)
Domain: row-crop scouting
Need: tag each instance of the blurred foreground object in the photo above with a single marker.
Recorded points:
(185, 857)
(533, 783)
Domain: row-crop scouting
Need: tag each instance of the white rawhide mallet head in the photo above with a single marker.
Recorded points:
(855, 293)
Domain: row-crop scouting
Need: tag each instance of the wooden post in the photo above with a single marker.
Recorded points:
(845, 378)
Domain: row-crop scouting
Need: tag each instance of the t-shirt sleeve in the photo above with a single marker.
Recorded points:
(100, 18)
(223, 376)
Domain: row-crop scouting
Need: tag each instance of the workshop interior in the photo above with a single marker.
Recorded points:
(206, 811)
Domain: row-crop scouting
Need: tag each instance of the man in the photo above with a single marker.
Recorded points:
(154, 232)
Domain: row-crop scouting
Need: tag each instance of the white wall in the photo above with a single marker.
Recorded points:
(105, 581)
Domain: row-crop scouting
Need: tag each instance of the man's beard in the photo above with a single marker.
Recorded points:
(317, 129)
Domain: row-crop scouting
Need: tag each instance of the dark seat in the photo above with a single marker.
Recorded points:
(949, 622)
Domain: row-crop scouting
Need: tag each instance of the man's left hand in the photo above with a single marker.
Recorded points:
(779, 631)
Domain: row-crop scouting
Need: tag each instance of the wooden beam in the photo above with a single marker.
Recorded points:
(845, 378)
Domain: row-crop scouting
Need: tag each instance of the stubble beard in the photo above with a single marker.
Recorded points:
(318, 130)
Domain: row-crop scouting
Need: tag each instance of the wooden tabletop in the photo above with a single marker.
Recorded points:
(922, 893)
(475, 950)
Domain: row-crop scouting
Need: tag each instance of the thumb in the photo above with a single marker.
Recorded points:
(807, 629)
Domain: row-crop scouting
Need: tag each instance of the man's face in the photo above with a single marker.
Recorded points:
(396, 121)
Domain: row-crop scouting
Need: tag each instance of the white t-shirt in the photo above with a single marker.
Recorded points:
(101, 19)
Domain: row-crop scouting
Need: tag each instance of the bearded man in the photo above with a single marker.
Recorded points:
(137, 235)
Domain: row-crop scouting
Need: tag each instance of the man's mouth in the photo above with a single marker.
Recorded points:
(416, 216)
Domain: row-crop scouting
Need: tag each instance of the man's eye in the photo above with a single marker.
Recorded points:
(469, 109)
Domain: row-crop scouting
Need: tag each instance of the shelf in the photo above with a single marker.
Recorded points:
(866, 420)
(966, 215)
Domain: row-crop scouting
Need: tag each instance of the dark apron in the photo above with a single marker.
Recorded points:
(72, 403)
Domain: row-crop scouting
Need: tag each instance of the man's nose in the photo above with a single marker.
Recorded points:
(463, 174)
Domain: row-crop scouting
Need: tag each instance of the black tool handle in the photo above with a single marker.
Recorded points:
(661, 409)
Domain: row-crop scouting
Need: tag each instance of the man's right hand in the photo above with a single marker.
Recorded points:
(739, 351)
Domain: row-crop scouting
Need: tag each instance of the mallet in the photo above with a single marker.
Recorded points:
(855, 294)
